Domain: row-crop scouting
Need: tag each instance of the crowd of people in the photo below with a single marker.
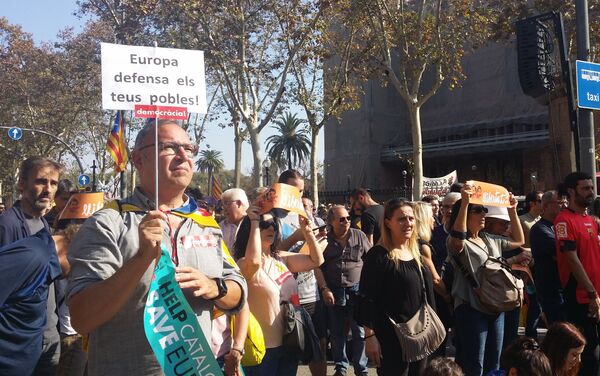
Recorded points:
(73, 290)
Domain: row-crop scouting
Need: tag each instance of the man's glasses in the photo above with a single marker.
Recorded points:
(344, 219)
(263, 225)
(173, 148)
(478, 209)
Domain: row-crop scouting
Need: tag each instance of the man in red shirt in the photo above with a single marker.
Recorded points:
(578, 260)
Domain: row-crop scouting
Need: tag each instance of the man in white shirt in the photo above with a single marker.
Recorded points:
(234, 203)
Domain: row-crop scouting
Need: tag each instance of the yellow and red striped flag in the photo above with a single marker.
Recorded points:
(216, 189)
(116, 145)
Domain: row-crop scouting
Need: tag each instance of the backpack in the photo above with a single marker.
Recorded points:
(500, 289)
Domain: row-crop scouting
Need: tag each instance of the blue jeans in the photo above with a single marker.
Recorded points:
(480, 340)
(277, 361)
(338, 317)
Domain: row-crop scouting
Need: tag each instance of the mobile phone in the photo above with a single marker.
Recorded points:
(320, 228)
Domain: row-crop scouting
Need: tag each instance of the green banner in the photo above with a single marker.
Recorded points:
(172, 328)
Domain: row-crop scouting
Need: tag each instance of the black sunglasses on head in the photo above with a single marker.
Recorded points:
(479, 209)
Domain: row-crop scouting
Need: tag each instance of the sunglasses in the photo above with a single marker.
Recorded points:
(344, 219)
(263, 225)
(478, 209)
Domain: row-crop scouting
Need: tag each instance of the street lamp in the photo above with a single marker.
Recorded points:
(266, 164)
(404, 173)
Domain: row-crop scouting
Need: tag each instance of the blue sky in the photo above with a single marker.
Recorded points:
(45, 18)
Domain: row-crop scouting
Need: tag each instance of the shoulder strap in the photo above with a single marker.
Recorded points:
(201, 220)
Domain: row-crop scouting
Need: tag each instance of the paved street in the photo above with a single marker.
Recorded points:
(304, 371)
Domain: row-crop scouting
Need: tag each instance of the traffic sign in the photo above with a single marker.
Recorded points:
(15, 133)
(84, 180)
(588, 85)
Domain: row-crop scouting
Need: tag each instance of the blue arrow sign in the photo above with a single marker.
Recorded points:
(84, 180)
(15, 133)
(588, 85)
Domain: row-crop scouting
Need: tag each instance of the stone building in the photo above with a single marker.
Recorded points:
(487, 129)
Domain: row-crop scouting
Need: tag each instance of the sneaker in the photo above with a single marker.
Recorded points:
(339, 373)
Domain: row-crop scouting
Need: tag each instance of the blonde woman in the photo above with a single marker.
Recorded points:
(424, 226)
(390, 285)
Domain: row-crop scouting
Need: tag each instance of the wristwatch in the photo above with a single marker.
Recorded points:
(222, 288)
(242, 351)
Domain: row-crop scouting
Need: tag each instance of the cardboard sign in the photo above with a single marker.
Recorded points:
(152, 76)
(438, 186)
(282, 196)
(488, 194)
(82, 205)
(162, 112)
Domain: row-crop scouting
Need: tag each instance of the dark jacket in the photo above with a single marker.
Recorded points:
(13, 226)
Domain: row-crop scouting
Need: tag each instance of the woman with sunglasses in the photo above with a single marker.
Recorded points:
(271, 282)
(479, 332)
(391, 287)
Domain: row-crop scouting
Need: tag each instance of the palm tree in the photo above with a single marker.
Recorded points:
(210, 161)
(291, 144)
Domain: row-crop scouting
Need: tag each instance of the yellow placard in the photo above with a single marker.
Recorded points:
(282, 196)
(488, 194)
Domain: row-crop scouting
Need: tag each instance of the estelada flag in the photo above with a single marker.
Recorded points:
(116, 145)
(216, 189)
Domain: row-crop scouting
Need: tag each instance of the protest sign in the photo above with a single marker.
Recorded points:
(488, 194)
(438, 186)
(82, 205)
(163, 112)
(282, 196)
(172, 328)
(152, 76)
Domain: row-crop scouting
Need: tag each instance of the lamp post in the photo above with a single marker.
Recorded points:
(266, 164)
(404, 173)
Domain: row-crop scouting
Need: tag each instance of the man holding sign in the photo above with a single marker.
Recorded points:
(114, 255)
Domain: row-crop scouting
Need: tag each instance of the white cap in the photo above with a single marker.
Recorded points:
(498, 212)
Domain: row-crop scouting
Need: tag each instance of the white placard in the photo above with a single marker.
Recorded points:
(438, 186)
(152, 76)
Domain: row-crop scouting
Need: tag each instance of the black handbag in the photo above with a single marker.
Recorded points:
(299, 335)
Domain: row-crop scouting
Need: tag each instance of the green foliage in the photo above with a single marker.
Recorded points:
(210, 161)
(291, 144)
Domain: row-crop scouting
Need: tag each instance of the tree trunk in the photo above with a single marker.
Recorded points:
(254, 142)
(314, 133)
(289, 158)
(415, 126)
(238, 140)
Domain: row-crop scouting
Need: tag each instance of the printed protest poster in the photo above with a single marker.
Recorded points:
(152, 76)
(282, 196)
(488, 194)
(172, 328)
(438, 186)
(82, 205)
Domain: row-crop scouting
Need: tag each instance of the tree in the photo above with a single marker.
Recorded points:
(210, 162)
(291, 142)
(411, 39)
(243, 41)
(331, 55)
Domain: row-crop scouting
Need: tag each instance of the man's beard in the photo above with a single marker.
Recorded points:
(41, 205)
(585, 201)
